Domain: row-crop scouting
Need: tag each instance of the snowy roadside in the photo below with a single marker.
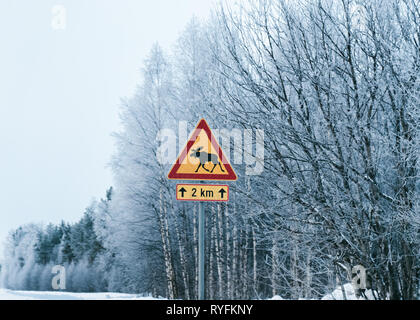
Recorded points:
(6, 294)
(337, 294)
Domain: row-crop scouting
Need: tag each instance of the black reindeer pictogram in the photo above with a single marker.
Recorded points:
(205, 157)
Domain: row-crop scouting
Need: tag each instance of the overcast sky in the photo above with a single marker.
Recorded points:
(60, 91)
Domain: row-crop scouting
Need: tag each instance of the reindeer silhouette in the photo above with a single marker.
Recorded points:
(204, 158)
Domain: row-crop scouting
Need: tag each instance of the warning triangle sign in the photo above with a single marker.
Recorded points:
(202, 158)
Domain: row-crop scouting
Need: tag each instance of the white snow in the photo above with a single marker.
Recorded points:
(6, 294)
(337, 294)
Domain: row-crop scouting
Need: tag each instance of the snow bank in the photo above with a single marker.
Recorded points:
(6, 294)
(337, 294)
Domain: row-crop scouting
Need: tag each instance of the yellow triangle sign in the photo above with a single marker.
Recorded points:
(202, 158)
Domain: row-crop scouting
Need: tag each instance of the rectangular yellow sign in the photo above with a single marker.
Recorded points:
(202, 192)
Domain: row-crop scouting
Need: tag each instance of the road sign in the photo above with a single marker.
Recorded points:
(202, 158)
(202, 192)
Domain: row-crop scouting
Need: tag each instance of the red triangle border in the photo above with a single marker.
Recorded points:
(202, 125)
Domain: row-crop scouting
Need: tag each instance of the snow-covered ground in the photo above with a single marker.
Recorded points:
(337, 294)
(6, 294)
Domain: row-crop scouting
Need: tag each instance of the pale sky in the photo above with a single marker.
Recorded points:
(60, 92)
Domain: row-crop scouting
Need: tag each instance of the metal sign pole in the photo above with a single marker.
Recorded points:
(201, 223)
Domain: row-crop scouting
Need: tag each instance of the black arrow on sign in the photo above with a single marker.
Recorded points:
(182, 190)
(222, 192)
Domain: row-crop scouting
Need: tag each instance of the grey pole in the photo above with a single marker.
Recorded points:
(201, 222)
